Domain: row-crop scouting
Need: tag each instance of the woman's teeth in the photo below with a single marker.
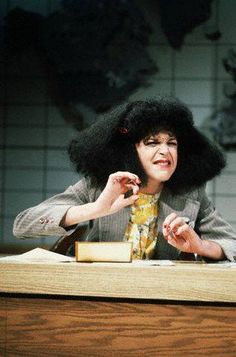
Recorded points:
(162, 163)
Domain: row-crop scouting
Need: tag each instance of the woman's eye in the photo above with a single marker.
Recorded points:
(156, 142)
(152, 143)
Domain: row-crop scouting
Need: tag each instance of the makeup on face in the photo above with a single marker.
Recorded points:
(158, 156)
(161, 138)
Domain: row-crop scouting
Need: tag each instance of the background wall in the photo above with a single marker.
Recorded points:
(34, 137)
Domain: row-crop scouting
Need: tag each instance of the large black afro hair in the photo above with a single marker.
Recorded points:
(108, 145)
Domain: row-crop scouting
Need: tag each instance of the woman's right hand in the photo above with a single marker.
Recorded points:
(112, 198)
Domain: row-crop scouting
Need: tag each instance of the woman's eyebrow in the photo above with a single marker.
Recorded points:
(156, 137)
(169, 138)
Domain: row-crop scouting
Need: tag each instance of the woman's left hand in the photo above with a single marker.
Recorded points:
(180, 235)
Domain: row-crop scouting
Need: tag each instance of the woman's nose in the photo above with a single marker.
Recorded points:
(163, 148)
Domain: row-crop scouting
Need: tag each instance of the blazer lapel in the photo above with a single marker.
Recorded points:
(112, 228)
(182, 205)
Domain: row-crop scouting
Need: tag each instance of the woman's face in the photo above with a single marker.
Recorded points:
(158, 155)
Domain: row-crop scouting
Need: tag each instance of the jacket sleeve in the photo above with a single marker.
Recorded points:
(210, 225)
(44, 219)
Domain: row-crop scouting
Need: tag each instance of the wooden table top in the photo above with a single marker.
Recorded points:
(182, 281)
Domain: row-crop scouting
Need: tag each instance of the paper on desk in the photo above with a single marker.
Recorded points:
(136, 262)
(152, 262)
(38, 255)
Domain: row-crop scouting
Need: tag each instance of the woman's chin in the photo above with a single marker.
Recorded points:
(163, 176)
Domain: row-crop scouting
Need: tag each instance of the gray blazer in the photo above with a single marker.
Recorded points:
(44, 219)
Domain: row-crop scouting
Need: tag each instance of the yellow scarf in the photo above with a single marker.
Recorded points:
(142, 226)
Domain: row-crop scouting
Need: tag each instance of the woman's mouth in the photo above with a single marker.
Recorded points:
(162, 163)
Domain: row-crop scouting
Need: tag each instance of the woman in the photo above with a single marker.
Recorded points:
(145, 168)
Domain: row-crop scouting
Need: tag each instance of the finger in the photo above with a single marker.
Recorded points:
(169, 219)
(127, 174)
(169, 235)
(176, 223)
(172, 241)
(134, 188)
(127, 181)
(130, 200)
(129, 184)
(182, 229)
(118, 176)
(167, 222)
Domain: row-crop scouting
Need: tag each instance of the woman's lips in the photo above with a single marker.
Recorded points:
(162, 163)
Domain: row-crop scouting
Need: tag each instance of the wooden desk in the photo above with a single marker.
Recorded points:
(76, 309)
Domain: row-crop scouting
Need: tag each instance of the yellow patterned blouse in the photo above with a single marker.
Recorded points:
(142, 227)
